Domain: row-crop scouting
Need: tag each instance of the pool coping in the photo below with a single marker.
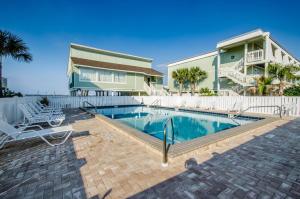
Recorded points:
(191, 145)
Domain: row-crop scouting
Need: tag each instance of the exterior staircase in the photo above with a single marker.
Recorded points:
(235, 75)
(151, 90)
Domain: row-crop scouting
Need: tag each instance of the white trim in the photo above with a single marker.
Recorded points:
(242, 37)
(194, 58)
(110, 52)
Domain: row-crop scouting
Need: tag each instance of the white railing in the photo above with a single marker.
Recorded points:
(236, 76)
(256, 55)
(9, 106)
(239, 65)
(151, 90)
(147, 88)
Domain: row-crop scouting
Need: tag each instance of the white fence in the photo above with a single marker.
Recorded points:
(9, 110)
(212, 102)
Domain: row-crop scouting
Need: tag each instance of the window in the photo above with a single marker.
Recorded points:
(88, 74)
(105, 76)
(99, 75)
(119, 77)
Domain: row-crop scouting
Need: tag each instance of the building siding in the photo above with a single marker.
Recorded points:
(236, 53)
(108, 58)
(207, 64)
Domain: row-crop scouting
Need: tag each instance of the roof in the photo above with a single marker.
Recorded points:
(113, 66)
(194, 58)
(98, 50)
(241, 37)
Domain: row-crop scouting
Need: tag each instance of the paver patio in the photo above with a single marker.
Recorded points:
(100, 162)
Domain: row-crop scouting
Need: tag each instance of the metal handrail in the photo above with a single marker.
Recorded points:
(155, 102)
(250, 107)
(86, 102)
(165, 151)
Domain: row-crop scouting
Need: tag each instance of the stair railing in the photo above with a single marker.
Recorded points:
(165, 145)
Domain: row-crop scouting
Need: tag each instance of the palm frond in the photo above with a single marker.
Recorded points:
(13, 46)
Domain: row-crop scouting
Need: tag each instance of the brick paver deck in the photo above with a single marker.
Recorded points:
(100, 162)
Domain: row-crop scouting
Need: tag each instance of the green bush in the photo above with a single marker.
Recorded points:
(9, 93)
(45, 101)
(206, 92)
(292, 91)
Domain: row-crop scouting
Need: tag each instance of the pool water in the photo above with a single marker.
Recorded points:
(187, 125)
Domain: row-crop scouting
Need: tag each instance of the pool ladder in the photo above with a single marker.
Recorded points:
(165, 145)
(86, 102)
(279, 108)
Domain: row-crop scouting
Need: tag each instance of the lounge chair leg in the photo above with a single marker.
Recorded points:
(58, 137)
(55, 125)
(50, 144)
(3, 141)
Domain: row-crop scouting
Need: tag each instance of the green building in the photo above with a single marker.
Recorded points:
(101, 72)
(236, 62)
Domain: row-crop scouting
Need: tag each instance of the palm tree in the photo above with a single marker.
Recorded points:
(181, 76)
(12, 46)
(283, 73)
(263, 85)
(195, 75)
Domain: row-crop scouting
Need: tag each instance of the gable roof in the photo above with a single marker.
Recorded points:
(113, 66)
(108, 52)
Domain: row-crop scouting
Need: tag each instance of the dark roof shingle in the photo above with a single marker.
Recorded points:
(106, 65)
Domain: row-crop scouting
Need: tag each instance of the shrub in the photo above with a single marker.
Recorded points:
(206, 92)
(292, 91)
(45, 101)
(9, 93)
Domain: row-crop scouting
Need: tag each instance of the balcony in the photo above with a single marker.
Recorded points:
(255, 56)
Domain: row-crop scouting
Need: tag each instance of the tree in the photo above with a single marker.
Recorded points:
(14, 47)
(195, 75)
(181, 76)
(263, 85)
(283, 74)
(292, 91)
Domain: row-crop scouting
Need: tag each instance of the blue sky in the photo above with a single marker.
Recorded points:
(163, 30)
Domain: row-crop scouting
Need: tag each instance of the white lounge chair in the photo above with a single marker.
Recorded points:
(39, 110)
(30, 117)
(35, 111)
(44, 107)
(14, 134)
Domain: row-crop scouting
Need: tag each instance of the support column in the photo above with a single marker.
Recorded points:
(267, 52)
(267, 48)
(266, 69)
(218, 69)
(245, 58)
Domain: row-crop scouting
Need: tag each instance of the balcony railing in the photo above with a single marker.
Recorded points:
(256, 55)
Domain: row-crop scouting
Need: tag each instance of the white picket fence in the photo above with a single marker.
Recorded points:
(213, 102)
(9, 106)
(9, 110)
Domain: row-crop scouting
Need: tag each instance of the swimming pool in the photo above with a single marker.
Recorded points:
(187, 125)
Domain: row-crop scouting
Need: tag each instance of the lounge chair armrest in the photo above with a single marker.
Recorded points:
(34, 125)
(27, 131)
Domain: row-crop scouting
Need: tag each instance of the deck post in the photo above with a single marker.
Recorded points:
(245, 58)
(218, 68)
